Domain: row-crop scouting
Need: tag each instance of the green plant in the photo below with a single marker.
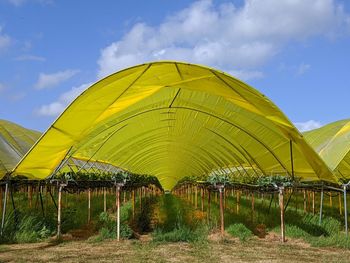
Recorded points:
(125, 231)
(181, 233)
(278, 180)
(296, 232)
(215, 179)
(108, 229)
(240, 231)
(143, 218)
(31, 229)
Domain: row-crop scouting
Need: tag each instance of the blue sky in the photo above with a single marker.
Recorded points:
(295, 52)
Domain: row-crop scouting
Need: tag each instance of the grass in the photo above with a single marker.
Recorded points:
(174, 220)
(298, 224)
(29, 224)
(107, 228)
(180, 235)
(178, 223)
(240, 231)
(22, 228)
(136, 251)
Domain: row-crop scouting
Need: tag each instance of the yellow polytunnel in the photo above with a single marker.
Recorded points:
(171, 120)
(15, 141)
(332, 142)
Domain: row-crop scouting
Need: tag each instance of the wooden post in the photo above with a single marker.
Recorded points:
(238, 200)
(59, 211)
(133, 204)
(1, 199)
(140, 198)
(30, 196)
(253, 206)
(225, 198)
(46, 197)
(188, 193)
(281, 203)
(313, 202)
(192, 195)
(208, 208)
(330, 200)
(222, 223)
(202, 198)
(304, 191)
(89, 205)
(195, 197)
(104, 200)
(117, 201)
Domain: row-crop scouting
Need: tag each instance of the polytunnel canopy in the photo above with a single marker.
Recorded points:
(332, 142)
(15, 141)
(171, 120)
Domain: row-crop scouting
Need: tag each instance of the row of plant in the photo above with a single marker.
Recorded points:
(244, 221)
(262, 183)
(32, 218)
(78, 181)
(128, 179)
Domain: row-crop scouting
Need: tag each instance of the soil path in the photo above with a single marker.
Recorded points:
(266, 250)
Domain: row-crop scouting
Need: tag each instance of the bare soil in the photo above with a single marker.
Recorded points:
(217, 249)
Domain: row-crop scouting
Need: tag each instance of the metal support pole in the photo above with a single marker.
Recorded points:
(104, 200)
(118, 210)
(321, 207)
(222, 223)
(53, 199)
(41, 200)
(291, 157)
(281, 203)
(345, 211)
(89, 205)
(4, 209)
(16, 216)
(59, 211)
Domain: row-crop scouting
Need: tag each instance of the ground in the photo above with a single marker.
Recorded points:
(216, 250)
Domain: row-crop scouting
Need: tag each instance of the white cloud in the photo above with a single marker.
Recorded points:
(30, 58)
(2, 87)
(308, 125)
(18, 3)
(5, 40)
(18, 96)
(234, 39)
(55, 108)
(54, 79)
(303, 68)
(246, 74)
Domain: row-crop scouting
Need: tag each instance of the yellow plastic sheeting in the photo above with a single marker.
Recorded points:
(332, 142)
(171, 120)
(15, 141)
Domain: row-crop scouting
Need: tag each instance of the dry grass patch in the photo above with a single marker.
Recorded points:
(224, 250)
